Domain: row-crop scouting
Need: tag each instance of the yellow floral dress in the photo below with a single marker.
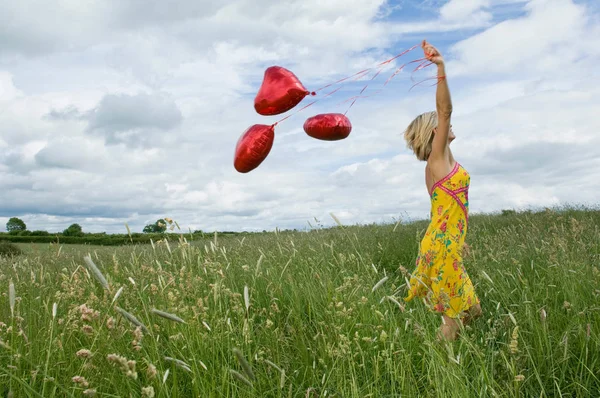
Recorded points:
(440, 277)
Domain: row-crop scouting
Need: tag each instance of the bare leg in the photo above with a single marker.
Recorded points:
(449, 328)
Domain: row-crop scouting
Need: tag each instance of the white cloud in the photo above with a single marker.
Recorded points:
(182, 79)
(457, 10)
(8, 91)
(134, 120)
(553, 38)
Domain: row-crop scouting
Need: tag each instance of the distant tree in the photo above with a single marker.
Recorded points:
(73, 230)
(15, 224)
(159, 226)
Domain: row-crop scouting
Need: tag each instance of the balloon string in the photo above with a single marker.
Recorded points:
(358, 75)
(306, 106)
(438, 78)
(424, 63)
(361, 73)
(366, 71)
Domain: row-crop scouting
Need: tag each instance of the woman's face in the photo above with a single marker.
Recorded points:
(451, 135)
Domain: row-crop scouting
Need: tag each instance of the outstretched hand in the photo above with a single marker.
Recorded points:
(432, 53)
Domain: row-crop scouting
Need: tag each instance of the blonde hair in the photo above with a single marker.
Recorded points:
(419, 134)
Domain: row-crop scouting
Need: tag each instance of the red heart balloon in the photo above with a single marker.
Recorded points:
(328, 126)
(253, 147)
(279, 92)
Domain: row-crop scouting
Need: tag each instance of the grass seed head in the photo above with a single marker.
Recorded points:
(240, 377)
(245, 365)
(11, 297)
(179, 363)
(117, 294)
(246, 298)
(378, 284)
(95, 271)
(543, 315)
(132, 319)
(166, 315)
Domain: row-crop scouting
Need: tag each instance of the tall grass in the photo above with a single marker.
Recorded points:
(305, 314)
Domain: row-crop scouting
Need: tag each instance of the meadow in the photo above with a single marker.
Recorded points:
(305, 314)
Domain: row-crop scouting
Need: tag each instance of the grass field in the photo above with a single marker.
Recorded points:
(300, 314)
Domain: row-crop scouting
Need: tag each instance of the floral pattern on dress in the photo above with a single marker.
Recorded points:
(440, 277)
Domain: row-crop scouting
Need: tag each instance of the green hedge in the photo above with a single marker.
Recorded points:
(93, 239)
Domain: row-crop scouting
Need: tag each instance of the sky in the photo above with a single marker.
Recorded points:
(127, 111)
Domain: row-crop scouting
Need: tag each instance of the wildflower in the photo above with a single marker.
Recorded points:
(87, 329)
(128, 367)
(151, 371)
(81, 381)
(519, 378)
(137, 333)
(148, 392)
(87, 314)
(84, 353)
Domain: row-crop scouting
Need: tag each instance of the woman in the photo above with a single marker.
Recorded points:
(440, 277)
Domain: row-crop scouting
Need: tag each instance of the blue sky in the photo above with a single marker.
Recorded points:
(125, 111)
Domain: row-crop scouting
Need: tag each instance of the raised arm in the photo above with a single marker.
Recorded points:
(443, 103)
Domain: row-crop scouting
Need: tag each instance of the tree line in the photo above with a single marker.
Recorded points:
(16, 226)
(18, 233)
